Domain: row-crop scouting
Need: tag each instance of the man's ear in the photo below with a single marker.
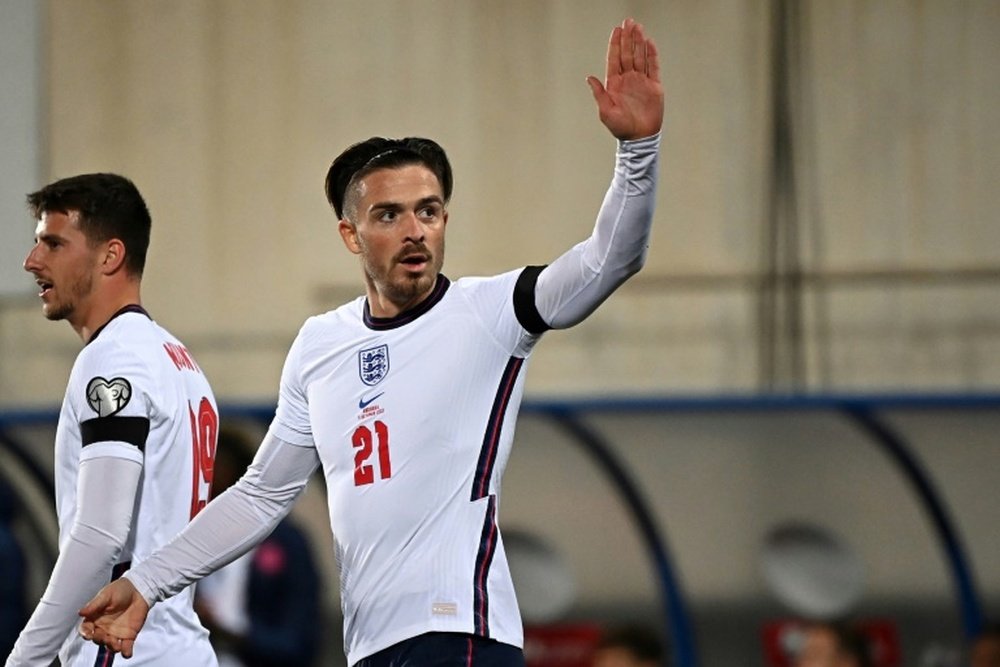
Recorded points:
(114, 257)
(349, 233)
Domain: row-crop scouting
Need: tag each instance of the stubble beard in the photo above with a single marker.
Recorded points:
(401, 290)
(408, 289)
(82, 287)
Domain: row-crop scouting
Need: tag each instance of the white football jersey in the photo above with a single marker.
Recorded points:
(413, 419)
(136, 393)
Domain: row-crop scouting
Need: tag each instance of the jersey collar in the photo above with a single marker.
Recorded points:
(407, 316)
(131, 308)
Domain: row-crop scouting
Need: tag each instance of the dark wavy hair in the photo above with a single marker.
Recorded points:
(110, 207)
(375, 153)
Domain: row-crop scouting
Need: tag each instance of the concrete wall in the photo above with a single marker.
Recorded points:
(228, 113)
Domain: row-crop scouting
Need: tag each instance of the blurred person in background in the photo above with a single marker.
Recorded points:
(630, 646)
(985, 648)
(833, 644)
(263, 609)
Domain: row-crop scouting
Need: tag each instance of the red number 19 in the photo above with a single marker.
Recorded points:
(204, 438)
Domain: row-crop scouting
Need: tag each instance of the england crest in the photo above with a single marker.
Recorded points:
(373, 364)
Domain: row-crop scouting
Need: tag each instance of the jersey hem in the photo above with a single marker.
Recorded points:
(368, 649)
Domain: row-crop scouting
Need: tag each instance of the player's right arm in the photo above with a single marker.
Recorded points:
(112, 422)
(106, 496)
(228, 527)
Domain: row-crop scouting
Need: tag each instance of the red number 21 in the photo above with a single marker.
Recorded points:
(362, 440)
(204, 437)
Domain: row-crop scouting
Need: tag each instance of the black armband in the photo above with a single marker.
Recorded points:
(132, 430)
(524, 301)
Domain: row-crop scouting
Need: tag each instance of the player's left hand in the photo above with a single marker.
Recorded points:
(630, 101)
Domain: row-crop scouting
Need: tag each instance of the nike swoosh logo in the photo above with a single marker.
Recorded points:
(362, 404)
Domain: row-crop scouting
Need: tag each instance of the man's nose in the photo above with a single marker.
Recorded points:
(414, 227)
(31, 262)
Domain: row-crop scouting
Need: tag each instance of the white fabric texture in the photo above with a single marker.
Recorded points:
(106, 496)
(231, 524)
(575, 284)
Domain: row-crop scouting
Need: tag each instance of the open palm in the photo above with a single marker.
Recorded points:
(630, 101)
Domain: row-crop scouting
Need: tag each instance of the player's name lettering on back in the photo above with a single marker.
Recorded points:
(181, 357)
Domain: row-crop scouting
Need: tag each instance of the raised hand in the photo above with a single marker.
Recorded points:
(114, 617)
(630, 101)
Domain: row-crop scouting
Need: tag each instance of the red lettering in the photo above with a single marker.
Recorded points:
(190, 360)
(172, 353)
(181, 357)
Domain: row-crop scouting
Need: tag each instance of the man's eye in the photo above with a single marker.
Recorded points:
(387, 216)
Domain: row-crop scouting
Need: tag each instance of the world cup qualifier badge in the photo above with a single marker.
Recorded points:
(373, 364)
(107, 397)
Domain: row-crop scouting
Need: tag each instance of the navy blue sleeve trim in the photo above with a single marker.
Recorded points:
(524, 301)
(132, 430)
